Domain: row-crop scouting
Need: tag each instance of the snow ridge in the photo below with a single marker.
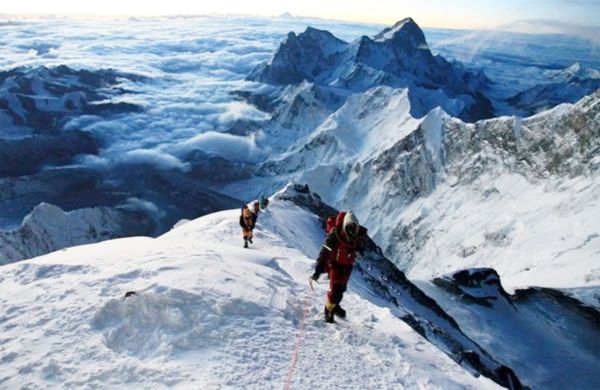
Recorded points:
(210, 314)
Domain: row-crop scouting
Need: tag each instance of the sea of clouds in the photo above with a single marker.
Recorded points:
(192, 65)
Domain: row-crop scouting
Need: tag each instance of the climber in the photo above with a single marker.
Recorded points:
(342, 245)
(248, 221)
(264, 202)
(255, 210)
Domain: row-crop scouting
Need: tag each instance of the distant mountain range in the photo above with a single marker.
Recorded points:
(397, 57)
(564, 86)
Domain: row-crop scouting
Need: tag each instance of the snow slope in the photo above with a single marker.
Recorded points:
(211, 315)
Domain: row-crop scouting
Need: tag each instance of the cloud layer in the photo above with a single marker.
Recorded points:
(194, 63)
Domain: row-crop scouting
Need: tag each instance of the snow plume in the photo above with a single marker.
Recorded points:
(241, 110)
(93, 161)
(512, 59)
(549, 26)
(520, 40)
(152, 157)
(137, 204)
(231, 147)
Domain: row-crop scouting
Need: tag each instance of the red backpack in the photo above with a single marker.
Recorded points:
(333, 222)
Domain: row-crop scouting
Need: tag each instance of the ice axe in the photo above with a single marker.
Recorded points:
(311, 281)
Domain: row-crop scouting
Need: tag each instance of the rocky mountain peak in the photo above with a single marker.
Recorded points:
(404, 32)
(575, 72)
(397, 57)
(311, 38)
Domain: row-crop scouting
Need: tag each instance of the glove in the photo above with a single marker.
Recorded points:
(315, 276)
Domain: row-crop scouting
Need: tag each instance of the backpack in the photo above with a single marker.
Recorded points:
(332, 222)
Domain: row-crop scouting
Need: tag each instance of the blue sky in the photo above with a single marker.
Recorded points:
(428, 13)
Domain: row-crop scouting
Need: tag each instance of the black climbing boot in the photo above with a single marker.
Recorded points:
(329, 316)
(338, 311)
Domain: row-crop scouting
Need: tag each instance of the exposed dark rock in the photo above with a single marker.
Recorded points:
(479, 286)
(216, 169)
(26, 156)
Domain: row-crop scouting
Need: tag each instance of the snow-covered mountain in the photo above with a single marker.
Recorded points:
(48, 228)
(472, 212)
(42, 99)
(439, 194)
(397, 57)
(564, 86)
(82, 138)
(504, 193)
(211, 314)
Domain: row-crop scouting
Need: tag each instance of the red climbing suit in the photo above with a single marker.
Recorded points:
(338, 255)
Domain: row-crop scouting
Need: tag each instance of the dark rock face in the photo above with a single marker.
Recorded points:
(301, 57)
(479, 286)
(25, 156)
(396, 57)
(216, 169)
(377, 278)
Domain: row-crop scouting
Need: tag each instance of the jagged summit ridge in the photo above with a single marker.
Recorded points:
(405, 29)
(397, 57)
(300, 57)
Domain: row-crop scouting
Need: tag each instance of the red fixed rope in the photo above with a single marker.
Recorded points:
(299, 339)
